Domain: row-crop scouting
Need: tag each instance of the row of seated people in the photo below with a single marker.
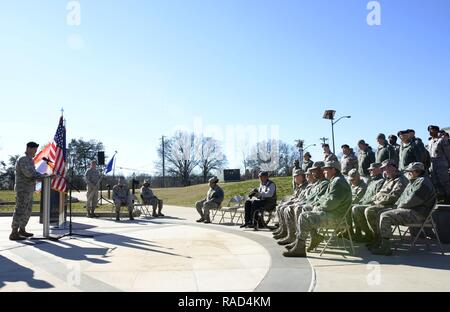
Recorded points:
(323, 197)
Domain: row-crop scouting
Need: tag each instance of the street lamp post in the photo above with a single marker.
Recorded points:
(329, 114)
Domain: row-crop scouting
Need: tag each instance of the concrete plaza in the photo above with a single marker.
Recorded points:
(174, 253)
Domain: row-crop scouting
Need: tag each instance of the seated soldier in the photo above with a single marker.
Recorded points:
(149, 198)
(358, 186)
(213, 200)
(329, 211)
(122, 197)
(261, 199)
(291, 213)
(392, 188)
(301, 185)
(413, 206)
(374, 185)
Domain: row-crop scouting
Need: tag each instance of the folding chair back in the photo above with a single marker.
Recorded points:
(343, 227)
(427, 223)
(233, 205)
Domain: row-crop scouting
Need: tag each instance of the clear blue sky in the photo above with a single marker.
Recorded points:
(140, 68)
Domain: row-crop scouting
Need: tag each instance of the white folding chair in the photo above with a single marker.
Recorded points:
(143, 208)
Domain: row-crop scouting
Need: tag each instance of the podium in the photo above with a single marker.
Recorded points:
(52, 207)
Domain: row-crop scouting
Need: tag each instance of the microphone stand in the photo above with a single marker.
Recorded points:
(70, 234)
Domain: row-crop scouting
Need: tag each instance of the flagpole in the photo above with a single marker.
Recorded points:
(114, 165)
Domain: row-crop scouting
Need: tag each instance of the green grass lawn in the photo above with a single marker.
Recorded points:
(181, 196)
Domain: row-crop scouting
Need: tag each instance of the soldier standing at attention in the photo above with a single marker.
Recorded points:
(328, 155)
(307, 162)
(24, 186)
(396, 147)
(384, 150)
(349, 160)
(409, 152)
(92, 177)
(365, 158)
(439, 149)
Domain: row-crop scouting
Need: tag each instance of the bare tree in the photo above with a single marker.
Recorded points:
(210, 157)
(181, 156)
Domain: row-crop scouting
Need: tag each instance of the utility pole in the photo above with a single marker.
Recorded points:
(324, 140)
(163, 163)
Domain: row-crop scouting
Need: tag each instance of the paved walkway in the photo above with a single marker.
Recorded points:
(163, 254)
(178, 254)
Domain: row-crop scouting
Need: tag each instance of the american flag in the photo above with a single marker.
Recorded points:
(57, 155)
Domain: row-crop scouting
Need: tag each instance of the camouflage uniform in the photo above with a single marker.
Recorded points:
(213, 200)
(306, 165)
(358, 192)
(384, 152)
(396, 149)
(386, 197)
(409, 153)
(373, 187)
(348, 162)
(413, 206)
(330, 210)
(300, 192)
(25, 185)
(150, 199)
(292, 213)
(121, 196)
(92, 177)
(365, 158)
(424, 155)
(330, 157)
(439, 149)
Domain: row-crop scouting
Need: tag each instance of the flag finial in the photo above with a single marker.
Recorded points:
(62, 110)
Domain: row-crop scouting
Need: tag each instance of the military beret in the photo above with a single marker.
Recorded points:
(317, 165)
(361, 142)
(401, 132)
(431, 127)
(381, 136)
(352, 174)
(32, 144)
(374, 165)
(388, 162)
(415, 166)
(214, 180)
(263, 174)
(307, 154)
(333, 164)
(345, 146)
(298, 172)
(410, 130)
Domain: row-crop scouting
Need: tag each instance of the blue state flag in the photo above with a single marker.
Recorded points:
(109, 167)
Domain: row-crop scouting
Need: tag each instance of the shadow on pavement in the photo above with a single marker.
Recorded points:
(13, 272)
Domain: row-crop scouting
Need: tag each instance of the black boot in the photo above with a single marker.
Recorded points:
(384, 249)
(316, 239)
(16, 236)
(130, 215)
(24, 233)
(297, 251)
(117, 216)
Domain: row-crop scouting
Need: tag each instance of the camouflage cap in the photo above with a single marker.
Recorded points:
(263, 174)
(298, 172)
(353, 174)
(146, 182)
(415, 166)
(214, 180)
(333, 164)
(318, 165)
(388, 162)
(374, 165)
(32, 145)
